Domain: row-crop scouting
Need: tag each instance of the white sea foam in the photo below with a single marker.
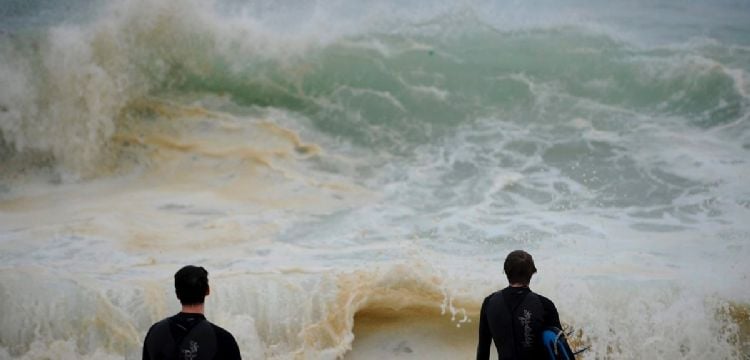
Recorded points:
(261, 141)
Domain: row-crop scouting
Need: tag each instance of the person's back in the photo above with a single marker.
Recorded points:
(514, 317)
(188, 335)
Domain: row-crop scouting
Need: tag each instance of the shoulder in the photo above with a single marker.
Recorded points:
(222, 335)
(153, 326)
(550, 310)
(228, 348)
(492, 297)
(157, 337)
(494, 300)
(495, 294)
(163, 323)
(547, 303)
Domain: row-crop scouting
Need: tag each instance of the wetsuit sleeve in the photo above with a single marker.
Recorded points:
(485, 336)
(551, 317)
(146, 355)
(233, 351)
(227, 345)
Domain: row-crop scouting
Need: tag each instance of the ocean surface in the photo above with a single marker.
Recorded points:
(353, 173)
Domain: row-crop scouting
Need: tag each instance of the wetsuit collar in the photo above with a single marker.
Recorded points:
(190, 315)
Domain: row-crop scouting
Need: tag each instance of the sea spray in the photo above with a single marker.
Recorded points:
(353, 174)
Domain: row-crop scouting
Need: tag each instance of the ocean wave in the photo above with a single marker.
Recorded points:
(65, 87)
(311, 316)
(397, 310)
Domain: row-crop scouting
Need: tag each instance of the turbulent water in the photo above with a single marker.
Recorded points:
(352, 174)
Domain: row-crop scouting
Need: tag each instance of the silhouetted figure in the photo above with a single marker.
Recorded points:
(188, 335)
(515, 316)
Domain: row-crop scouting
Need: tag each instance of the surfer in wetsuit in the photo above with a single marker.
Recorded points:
(515, 316)
(188, 335)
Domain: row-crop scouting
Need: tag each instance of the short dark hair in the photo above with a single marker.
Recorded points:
(191, 284)
(519, 266)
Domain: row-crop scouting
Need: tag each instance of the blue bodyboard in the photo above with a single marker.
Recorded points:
(556, 345)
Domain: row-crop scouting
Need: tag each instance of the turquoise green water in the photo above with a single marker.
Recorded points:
(287, 145)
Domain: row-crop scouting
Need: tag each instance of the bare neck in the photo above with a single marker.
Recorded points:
(194, 309)
(519, 285)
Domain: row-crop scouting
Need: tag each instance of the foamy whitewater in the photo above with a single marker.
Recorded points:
(352, 174)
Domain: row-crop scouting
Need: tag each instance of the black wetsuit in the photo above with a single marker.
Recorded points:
(516, 336)
(189, 337)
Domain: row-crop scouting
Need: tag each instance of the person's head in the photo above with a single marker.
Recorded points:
(519, 266)
(191, 285)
